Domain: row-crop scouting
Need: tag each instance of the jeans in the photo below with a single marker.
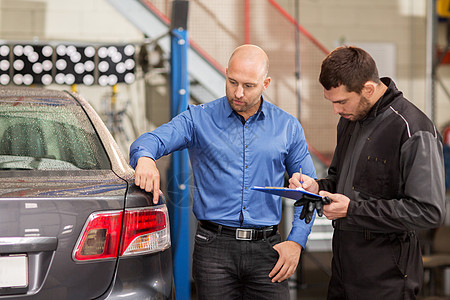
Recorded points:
(226, 268)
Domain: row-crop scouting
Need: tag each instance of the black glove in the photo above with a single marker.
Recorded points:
(310, 203)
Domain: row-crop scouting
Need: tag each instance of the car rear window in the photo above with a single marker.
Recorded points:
(48, 135)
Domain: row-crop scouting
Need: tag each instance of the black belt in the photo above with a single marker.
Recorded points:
(246, 234)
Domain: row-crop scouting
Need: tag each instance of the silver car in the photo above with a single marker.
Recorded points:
(72, 223)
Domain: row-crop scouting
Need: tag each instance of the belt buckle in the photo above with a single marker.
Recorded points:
(244, 234)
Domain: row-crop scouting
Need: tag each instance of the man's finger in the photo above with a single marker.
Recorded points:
(275, 269)
(294, 182)
(156, 192)
(147, 185)
(288, 273)
(324, 194)
(280, 275)
(142, 182)
(307, 183)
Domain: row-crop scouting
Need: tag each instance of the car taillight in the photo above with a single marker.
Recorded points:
(100, 236)
(146, 230)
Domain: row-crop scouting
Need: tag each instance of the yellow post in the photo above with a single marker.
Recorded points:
(113, 110)
(443, 8)
(114, 96)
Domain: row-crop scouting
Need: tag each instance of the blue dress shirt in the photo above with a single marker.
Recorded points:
(229, 156)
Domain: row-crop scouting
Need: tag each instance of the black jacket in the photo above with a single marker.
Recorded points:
(392, 169)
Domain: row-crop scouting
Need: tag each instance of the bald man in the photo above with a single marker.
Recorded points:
(234, 143)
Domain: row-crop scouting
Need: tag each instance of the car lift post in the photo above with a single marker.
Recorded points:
(179, 173)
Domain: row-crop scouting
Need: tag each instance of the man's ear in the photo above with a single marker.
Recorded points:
(369, 89)
(266, 82)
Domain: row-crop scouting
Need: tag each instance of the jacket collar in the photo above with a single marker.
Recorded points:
(385, 101)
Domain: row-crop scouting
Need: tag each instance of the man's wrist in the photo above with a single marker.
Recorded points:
(145, 158)
(301, 241)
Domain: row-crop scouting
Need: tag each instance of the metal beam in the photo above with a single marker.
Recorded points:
(179, 173)
(430, 59)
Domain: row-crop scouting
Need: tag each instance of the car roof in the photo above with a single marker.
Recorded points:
(37, 95)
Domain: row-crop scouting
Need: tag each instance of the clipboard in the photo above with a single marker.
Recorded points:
(295, 194)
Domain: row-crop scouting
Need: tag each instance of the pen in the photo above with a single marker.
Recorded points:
(301, 175)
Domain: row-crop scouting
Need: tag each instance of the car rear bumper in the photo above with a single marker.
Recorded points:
(144, 277)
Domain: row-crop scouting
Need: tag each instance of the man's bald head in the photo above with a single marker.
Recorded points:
(247, 79)
(251, 54)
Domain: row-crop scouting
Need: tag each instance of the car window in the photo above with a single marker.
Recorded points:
(43, 136)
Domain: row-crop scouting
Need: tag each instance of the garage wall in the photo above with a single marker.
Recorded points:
(397, 24)
(400, 24)
(393, 31)
(64, 20)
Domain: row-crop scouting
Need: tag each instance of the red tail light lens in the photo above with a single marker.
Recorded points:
(100, 237)
(146, 230)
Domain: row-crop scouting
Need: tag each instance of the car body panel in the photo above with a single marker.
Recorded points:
(43, 213)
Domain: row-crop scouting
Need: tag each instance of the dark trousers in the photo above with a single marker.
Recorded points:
(375, 266)
(226, 268)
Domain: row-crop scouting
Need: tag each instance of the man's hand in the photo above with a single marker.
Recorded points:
(286, 265)
(309, 183)
(146, 176)
(338, 206)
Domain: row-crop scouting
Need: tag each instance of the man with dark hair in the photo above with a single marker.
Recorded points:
(386, 181)
(234, 143)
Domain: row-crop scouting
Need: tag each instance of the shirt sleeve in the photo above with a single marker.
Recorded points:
(172, 136)
(299, 156)
(300, 230)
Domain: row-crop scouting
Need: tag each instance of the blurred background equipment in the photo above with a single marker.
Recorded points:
(5, 65)
(74, 64)
(32, 64)
(116, 64)
(67, 64)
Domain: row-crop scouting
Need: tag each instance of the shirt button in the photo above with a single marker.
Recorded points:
(246, 146)
(246, 167)
(245, 188)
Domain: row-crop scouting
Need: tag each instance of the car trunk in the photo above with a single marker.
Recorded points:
(42, 214)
